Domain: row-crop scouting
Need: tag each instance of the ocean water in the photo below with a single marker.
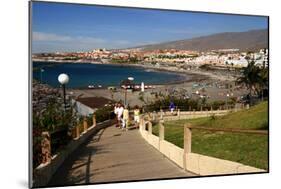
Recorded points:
(82, 75)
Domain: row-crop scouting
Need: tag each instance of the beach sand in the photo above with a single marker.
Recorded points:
(218, 92)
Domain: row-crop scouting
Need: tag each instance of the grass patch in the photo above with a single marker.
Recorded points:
(248, 149)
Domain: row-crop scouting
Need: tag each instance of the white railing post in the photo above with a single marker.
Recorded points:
(46, 147)
(187, 143)
(85, 124)
(154, 116)
(149, 127)
(161, 130)
(77, 130)
(187, 138)
(161, 114)
(94, 120)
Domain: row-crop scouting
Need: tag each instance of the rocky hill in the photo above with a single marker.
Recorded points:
(246, 41)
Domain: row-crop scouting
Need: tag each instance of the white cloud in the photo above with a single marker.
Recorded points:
(43, 42)
(40, 36)
(51, 37)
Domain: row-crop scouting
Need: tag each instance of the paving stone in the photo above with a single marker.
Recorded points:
(115, 155)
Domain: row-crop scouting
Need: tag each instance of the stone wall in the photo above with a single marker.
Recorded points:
(192, 162)
(43, 173)
(206, 165)
(195, 114)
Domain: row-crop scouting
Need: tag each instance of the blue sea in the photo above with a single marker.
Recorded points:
(82, 75)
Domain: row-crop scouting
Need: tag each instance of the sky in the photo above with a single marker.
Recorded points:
(71, 28)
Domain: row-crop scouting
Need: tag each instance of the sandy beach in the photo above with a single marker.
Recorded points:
(196, 83)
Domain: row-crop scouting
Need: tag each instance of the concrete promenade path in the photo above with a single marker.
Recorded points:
(115, 155)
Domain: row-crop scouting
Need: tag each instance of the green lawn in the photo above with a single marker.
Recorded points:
(249, 149)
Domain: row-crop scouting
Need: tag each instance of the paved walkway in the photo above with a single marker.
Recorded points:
(115, 155)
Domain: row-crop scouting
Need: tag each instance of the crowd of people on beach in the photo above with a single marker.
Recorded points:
(123, 116)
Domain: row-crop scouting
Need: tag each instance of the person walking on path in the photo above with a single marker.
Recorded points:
(125, 120)
(136, 116)
(120, 110)
(172, 107)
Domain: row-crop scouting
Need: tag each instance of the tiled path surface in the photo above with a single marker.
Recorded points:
(115, 155)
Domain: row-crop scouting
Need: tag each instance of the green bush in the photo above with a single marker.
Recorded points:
(90, 120)
(187, 104)
(57, 122)
(104, 113)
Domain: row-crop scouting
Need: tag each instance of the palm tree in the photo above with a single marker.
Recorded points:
(251, 78)
(263, 80)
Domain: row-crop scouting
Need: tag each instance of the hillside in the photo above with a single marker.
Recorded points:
(247, 41)
(249, 149)
(254, 118)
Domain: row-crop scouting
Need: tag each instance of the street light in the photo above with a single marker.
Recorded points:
(63, 79)
(41, 73)
(131, 79)
(227, 95)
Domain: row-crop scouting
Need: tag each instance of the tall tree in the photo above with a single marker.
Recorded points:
(251, 78)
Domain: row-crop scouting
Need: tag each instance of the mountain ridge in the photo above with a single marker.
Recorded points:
(244, 41)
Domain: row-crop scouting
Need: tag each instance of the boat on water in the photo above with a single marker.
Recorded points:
(94, 87)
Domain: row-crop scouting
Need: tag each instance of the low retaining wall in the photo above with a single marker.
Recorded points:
(193, 116)
(179, 115)
(206, 165)
(195, 163)
(170, 150)
(43, 173)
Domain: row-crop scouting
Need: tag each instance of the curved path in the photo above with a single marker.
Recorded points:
(115, 155)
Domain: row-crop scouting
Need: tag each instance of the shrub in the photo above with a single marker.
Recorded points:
(186, 104)
(90, 120)
(104, 113)
(57, 122)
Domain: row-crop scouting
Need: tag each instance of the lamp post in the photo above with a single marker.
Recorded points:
(131, 79)
(41, 73)
(63, 79)
(227, 95)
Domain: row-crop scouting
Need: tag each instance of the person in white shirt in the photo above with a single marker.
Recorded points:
(119, 111)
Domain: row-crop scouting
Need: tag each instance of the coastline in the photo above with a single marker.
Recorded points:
(189, 76)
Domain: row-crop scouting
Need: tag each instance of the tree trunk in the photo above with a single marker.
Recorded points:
(250, 95)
